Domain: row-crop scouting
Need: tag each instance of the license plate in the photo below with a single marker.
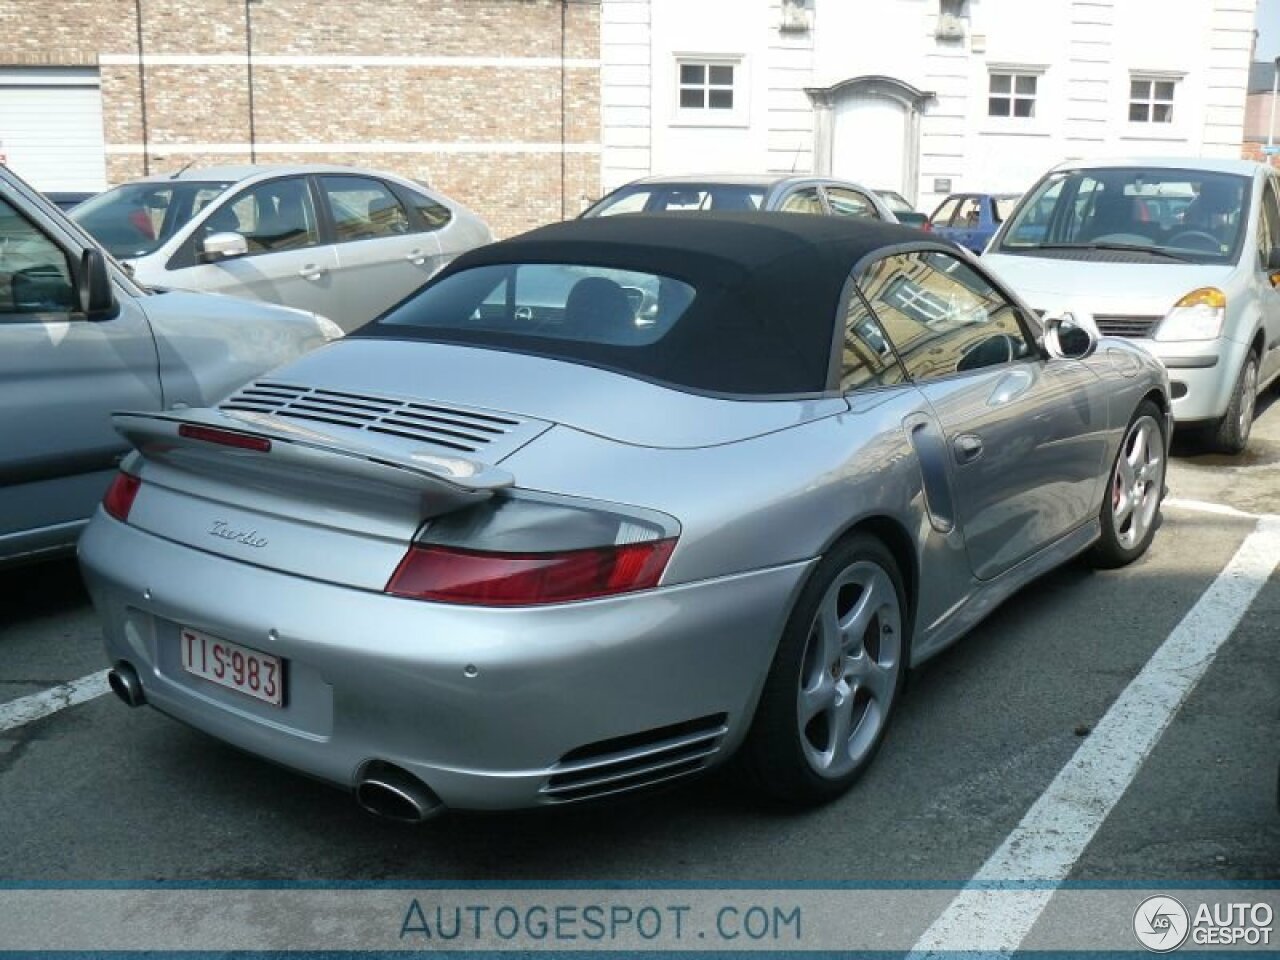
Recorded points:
(258, 675)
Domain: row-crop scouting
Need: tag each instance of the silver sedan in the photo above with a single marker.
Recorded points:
(609, 503)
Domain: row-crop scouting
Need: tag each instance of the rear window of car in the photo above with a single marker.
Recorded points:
(668, 198)
(638, 323)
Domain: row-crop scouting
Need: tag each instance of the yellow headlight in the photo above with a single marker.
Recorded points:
(1210, 297)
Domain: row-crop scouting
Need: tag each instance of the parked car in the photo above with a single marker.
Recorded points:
(490, 553)
(904, 211)
(78, 340)
(1180, 255)
(67, 200)
(971, 219)
(343, 242)
(737, 192)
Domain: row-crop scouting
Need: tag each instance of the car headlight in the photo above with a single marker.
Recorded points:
(1197, 316)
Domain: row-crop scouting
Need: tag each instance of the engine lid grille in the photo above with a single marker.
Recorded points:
(444, 426)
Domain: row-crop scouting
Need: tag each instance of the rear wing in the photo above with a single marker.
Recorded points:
(207, 439)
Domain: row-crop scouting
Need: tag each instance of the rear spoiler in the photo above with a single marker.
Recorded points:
(447, 482)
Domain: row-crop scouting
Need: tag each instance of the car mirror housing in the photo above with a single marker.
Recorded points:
(94, 296)
(1069, 338)
(222, 246)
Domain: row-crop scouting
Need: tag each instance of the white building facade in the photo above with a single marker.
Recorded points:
(926, 97)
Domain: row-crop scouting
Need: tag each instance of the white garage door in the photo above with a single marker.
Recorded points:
(869, 142)
(51, 127)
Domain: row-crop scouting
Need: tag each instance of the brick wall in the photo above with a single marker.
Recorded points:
(488, 134)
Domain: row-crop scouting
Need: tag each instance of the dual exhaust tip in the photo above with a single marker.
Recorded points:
(382, 788)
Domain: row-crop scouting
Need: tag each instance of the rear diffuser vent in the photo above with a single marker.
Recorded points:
(638, 760)
(441, 425)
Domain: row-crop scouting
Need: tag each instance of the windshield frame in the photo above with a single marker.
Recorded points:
(1065, 176)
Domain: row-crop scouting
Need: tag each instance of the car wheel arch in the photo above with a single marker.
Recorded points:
(893, 534)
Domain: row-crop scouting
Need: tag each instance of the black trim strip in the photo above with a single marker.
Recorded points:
(1189, 363)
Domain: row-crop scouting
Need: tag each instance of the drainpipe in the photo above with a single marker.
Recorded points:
(142, 89)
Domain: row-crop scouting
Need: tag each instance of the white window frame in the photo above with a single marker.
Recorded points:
(706, 115)
(1151, 101)
(1014, 73)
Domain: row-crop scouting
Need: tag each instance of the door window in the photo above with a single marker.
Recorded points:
(942, 216)
(803, 201)
(850, 203)
(941, 315)
(363, 209)
(1268, 224)
(970, 214)
(35, 276)
(868, 359)
(273, 216)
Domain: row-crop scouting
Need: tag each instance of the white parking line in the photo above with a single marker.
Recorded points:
(24, 710)
(1203, 506)
(1056, 830)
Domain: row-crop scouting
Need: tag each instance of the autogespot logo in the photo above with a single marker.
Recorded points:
(1161, 924)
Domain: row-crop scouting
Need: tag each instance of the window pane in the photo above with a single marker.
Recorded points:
(691, 100)
(720, 99)
(1026, 85)
(1139, 89)
(36, 276)
(363, 209)
(1138, 112)
(850, 203)
(998, 107)
(434, 215)
(277, 215)
(941, 315)
(722, 76)
(868, 358)
(1024, 108)
(942, 216)
(692, 73)
(1162, 113)
(803, 201)
(1164, 90)
(1001, 83)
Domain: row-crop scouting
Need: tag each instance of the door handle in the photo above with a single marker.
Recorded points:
(312, 271)
(416, 257)
(967, 447)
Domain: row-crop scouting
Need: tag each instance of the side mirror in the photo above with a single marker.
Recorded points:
(222, 246)
(1273, 260)
(94, 296)
(1066, 338)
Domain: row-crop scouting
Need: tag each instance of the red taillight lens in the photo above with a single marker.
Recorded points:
(119, 498)
(927, 227)
(227, 438)
(451, 575)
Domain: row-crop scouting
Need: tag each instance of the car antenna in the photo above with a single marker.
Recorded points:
(181, 170)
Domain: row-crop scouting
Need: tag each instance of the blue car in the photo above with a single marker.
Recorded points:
(971, 219)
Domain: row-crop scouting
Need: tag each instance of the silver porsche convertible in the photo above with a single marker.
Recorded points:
(609, 503)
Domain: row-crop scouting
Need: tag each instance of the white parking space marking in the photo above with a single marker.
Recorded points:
(24, 710)
(989, 916)
(1201, 506)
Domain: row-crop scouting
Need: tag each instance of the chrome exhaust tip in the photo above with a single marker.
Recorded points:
(387, 791)
(124, 683)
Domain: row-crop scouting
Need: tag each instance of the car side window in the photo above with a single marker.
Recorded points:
(274, 216)
(942, 216)
(363, 209)
(805, 200)
(850, 203)
(867, 358)
(35, 275)
(1268, 224)
(432, 214)
(970, 214)
(941, 315)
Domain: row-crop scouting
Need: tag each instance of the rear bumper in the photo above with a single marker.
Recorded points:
(480, 704)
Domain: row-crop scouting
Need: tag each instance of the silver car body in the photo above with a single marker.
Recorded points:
(507, 707)
(1131, 299)
(345, 276)
(61, 375)
(797, 194)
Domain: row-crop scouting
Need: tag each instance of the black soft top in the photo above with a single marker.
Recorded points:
(767, 285)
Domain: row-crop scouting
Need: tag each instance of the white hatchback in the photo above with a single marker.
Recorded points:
(1181, 255)
(338, 241)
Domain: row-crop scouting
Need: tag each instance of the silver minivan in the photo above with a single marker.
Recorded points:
(1179, 254)
(342, 242)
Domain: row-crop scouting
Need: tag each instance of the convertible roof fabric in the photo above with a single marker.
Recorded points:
(767, 289)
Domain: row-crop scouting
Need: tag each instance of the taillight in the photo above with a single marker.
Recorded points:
(120, 495)
(226, 438)
(454, 575)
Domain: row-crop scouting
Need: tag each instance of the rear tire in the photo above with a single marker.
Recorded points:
(1135, 487)
(836, 677)
(1231, 433)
